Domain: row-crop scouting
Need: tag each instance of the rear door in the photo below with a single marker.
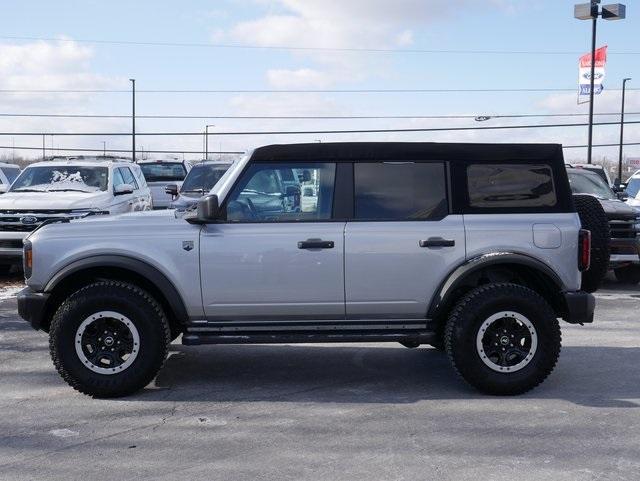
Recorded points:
(402, 241)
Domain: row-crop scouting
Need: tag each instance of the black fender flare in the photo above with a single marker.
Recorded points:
(442, 297)
(141, 268)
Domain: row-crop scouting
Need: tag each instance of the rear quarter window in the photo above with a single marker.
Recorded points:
(510, 186)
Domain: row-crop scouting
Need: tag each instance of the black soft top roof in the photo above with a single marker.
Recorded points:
(354, 151)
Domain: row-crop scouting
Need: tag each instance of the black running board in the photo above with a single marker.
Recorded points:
(194, 339)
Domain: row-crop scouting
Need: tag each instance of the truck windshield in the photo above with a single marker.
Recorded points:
(62, 178)
(633, 187)
(585, 182)
(163, 171)
(202, 178)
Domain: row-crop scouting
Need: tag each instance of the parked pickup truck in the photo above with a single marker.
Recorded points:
(63, 188)
(473, 248)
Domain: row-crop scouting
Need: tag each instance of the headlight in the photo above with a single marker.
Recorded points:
(27, 259)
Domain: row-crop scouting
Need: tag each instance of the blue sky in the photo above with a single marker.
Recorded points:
(499, 25)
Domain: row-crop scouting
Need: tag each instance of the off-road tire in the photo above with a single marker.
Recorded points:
(410, 344)
(466, 319)
(594, 219)
(143, 311)
(628, 274)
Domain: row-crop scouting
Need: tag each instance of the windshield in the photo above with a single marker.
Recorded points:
(10, 173)
(585, 182)
(163, 171)
(61, 178)
(202, 178)
(633, 187)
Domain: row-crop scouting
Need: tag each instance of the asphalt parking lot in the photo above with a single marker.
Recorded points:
(354, 411)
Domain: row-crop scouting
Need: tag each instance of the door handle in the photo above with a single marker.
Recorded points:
(315, 244)
(437, 242)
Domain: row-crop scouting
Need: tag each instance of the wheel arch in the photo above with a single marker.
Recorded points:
(116, 267)
(498, 267)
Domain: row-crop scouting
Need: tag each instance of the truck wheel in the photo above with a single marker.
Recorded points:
(594, 219)
(503, 339)
(109, 339)
(628, 274)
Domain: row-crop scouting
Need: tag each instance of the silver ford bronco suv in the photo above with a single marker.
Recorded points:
(475, 249)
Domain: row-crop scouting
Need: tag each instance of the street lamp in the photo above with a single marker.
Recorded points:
(624, 87)
(591, 11)
(206, 141)
(133, 118)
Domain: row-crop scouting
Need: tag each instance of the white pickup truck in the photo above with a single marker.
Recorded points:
(67, 187)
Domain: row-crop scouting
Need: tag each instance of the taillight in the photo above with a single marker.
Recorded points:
(584, 249)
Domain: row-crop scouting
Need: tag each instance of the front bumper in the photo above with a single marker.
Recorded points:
(580, 307)
(31, 307)
(624, 252)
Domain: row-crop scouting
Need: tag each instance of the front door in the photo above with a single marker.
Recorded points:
(269, 260)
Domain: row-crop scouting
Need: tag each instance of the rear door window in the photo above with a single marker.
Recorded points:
(400, 191)
(510, 186)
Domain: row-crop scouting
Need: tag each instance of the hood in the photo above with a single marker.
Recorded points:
(633, 202)
(616, 209)
(54, 200)
(184, 201)
(104, 228)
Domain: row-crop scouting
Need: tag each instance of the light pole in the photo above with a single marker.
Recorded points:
(591, 11)
(104, 148)
(624, 87)
(133, 118)
(206, 141)
(43, 152)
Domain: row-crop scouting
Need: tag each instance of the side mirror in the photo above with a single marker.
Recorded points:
(622, 195)
(4, 188)
(123, 189)
(208, 209)
(172, 190)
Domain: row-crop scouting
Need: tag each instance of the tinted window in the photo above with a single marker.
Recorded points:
(128, 178)
(10, 173)
(400, 191)
(263, 194)
(510, 186)
(203, 177)
(163, 171)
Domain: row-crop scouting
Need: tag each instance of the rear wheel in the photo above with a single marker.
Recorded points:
(628, 274)
(503, 339)
(109, 339)
(594, 219)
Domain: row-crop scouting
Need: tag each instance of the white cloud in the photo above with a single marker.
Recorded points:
(297, 79)
(340, 24)
(48, 65)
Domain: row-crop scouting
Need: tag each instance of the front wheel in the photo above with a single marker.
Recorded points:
(503, 339)
(109, 339)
